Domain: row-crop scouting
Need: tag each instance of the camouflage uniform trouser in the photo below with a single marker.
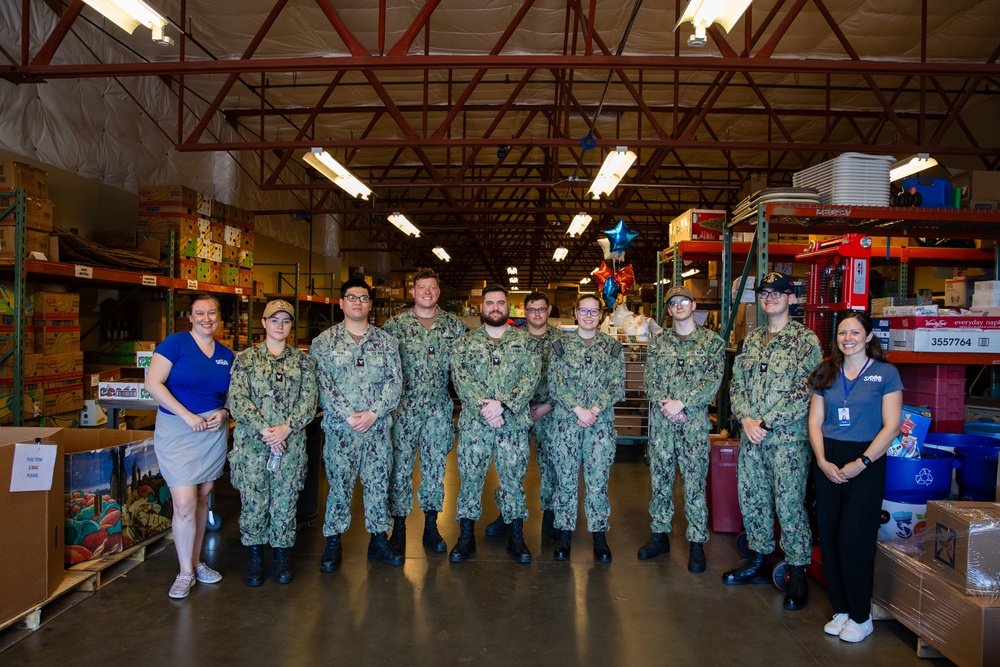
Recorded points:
(345, 453)
(267, 500)
(686, 447)
(435, 436)
(546, 469)
(595, 448)
(772, 479)
(511, 450)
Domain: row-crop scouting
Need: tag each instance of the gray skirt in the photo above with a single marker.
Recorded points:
(187, 458)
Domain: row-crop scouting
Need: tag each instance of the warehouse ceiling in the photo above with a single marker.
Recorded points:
(483, 121)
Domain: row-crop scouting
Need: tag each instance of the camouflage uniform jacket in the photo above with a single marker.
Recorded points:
(551, 335)
(506, 371)
(425, 355)
(769, 380)
(688, 370)
(354, 377)
(591, 376)
(268, 390)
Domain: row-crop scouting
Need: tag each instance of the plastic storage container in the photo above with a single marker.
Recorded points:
(935, 192)
(723, 500)
(915, 481)
(977, 478)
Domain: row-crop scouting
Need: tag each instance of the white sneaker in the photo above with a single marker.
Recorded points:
(856, 632)
(182, 585)
(206, 575)
(836, 625)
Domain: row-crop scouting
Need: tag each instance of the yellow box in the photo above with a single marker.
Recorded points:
(187, 269)
(246, 278)
(176, 194)
(232, 236)
(33, 367)
(34, 241)
(30, 179)
(56, 306)
(247, 240)
(56, 339)
(218, 232)
(63, 365)
(32, 401)
(246, 260)
(38, 215)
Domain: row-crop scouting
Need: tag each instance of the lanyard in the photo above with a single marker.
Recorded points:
(847, 390)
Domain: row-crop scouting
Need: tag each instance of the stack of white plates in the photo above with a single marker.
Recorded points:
(747, 209)
(852, 178)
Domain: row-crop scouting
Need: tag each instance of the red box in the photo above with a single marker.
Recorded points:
(723, 499)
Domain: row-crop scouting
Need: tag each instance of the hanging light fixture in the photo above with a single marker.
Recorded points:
(324, 163)
(690, 272)
(130, 14)
(512, 280)
(584, 281)
(441, 254)
(578, 224)
(911, 165)
(511, 270)
(616, 164)
(703, 13)
(403, 225)
(560, 254)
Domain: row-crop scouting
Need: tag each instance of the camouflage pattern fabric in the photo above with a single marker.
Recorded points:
(356, 377)
(687, 370)
(266, 391)
(586, 376)
(506, 370)
(540, 429)
(769, 383)
(424, 417)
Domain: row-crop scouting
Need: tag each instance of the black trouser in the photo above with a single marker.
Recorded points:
(848, 519)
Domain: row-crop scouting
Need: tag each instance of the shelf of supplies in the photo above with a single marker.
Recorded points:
(957, 359)
(183, 284)
(711, 251)
(934, 256)
(40, 269)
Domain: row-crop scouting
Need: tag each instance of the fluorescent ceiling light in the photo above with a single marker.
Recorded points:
(441, 254)
(584, 281)
(612, 171)
(560, 254)
(403, 225)
(690, 272)
(911, 165)
(511, 270)
(324, 163)
(703, 13)
(512, 280)
(579, 223)
(665, 281)
(130, 14)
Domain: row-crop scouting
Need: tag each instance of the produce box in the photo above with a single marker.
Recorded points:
(34, 181)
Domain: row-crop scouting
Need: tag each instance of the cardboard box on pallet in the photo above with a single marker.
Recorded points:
(963, 543)
(61, 396)
(34, 367)
(175, 194)
(38, 215)
(32, 401)
(32, 523)
(55, 306)
(34, 181)
(56, 338)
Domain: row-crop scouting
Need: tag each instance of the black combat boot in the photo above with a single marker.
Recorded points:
(562, 549)
(753, 570)
(398, 539)
(602, 552)
(255, 565)
(331, 554)
(466, 545)
(496, 527)
(696, 558)
(548, 524)
(516, 547)
(432, 538)
(659, 543)
(282, 565)
(379, 549)
(797, 596)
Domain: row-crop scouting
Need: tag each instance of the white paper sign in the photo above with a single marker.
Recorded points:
(33, 466)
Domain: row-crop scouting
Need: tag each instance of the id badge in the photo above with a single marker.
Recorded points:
(844, 414)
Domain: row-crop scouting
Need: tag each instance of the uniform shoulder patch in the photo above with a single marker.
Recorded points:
(616, 349)
(557, 348)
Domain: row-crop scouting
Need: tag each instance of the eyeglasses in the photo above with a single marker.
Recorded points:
(770, 295)
(589, 311)
(536, 311)
(679, 302)
(364, 298)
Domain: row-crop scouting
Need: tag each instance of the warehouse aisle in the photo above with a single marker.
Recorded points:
(488, 611)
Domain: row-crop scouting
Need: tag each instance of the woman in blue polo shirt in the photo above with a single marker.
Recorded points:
(855, 414)
(188, 378)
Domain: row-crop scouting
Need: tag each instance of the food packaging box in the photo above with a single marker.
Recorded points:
(34, 181)
(963, 543)
(32, 523)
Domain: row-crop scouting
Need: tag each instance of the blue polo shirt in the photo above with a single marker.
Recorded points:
(198, 382)
(864, 401)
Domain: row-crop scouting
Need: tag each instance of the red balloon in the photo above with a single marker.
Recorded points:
(625, 278)
(602, 273)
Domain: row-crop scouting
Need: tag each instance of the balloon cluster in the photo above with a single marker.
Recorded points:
(612, 282)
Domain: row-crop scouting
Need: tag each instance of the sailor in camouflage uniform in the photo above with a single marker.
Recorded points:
(586, 379)
(536, 313)
(495, 369)
(770, 397)
(424, 416)
(272, 396)
(360, 381)
(684, 367)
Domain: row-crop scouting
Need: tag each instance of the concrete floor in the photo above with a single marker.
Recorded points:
(487, 611)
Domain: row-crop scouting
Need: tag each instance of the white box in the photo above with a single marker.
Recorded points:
(124, 391)
(92, 414)
(957, 292)
(986, 300)
(987, 287)
(143, 359)
(910, 311)
(968, 341)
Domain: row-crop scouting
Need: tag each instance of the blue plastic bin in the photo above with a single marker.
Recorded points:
(987, 429)
(977, 478)
(919, 480)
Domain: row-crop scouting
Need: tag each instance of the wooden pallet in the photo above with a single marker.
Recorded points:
(79, 583)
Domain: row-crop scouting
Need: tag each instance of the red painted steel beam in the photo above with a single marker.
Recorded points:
(350, 41)
(56, 37)
(422, 18)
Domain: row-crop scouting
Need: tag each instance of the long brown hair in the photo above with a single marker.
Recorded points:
(826, 373)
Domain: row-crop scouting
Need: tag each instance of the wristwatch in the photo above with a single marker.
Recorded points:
(867, 461)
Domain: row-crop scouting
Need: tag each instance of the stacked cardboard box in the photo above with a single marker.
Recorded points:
(57, 339)
(38, 213)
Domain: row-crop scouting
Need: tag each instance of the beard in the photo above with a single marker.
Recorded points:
(494, 319)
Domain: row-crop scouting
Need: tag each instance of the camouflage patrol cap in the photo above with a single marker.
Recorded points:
(779, 282)
(680, 290)
(278, 305)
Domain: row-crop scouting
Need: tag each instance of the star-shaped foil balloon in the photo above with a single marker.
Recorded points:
(621, 237)
(602, 273)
